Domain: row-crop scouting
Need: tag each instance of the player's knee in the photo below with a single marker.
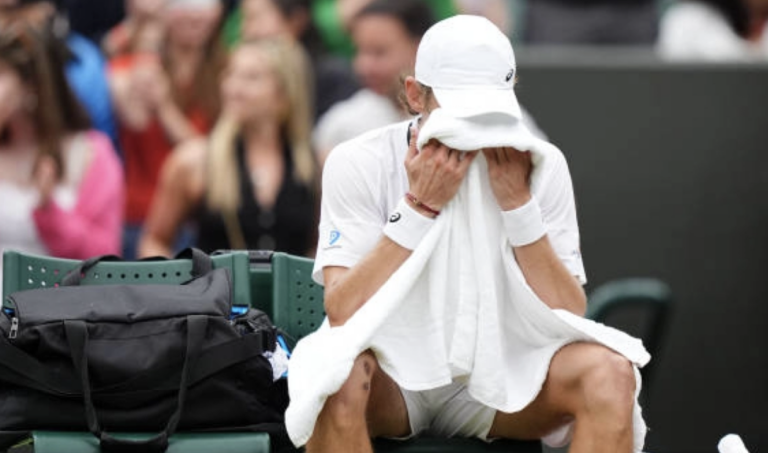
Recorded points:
(610, 383)
(347, 407)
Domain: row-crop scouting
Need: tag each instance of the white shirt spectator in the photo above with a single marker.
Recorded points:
(364, 111)
(697, 31)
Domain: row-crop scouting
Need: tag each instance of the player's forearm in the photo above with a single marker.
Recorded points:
(549, 278)
(345, 295)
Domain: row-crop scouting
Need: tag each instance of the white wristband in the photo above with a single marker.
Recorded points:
(524, 225)
(406, 226)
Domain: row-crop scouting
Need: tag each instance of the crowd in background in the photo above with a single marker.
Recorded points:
(138, 127)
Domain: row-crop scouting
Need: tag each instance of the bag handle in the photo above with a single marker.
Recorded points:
(77, 337)
(202, 264)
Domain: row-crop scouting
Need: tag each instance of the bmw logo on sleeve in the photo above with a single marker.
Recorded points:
(335, 236)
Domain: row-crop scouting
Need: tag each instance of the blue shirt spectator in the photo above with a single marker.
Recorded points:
(87, 76)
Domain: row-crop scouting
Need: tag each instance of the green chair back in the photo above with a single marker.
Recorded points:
(649, 295)
(26, 271)
(297, 301)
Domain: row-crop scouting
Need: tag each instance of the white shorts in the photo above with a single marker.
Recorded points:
(447, 411)
(450, 411)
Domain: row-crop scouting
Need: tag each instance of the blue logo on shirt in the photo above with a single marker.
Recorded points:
(335, 236)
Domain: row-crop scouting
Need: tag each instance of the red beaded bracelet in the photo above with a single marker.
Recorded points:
(416, 202)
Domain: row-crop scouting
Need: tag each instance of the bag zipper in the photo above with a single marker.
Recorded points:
(14, 328)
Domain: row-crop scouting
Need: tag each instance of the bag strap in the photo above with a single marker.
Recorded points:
(18, 367)
(77, 337)
(201, 265)
(75, 276)
(211, 361)
(10, 438)
(223, 356)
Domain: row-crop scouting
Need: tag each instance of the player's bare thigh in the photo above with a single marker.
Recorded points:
(561, 396)
(387, 414)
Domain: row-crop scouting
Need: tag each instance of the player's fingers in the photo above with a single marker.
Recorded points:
(490, 156)
(466, 160)
(412, 149)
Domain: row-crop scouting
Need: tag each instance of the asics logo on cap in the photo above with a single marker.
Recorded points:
(509, 76)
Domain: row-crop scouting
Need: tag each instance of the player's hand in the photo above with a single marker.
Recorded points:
(435, 173)
(509, 171)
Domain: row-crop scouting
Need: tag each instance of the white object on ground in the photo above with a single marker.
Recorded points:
(731, 443)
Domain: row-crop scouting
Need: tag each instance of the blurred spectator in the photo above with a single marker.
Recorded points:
(386, 34)
(61, 183)
(626, 22)
(333, 79)
(93, 18)
(252, 184)
(139, 30)
(715, 30)
(497, 11)
(165, 98)
(334, 18)
(85, 66)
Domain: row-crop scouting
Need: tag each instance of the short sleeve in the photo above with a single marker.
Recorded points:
(558, 207)
(350, 212)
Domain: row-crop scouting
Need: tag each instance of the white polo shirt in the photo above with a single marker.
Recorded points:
(365, 178)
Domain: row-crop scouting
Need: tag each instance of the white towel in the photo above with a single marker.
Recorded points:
(459, 308)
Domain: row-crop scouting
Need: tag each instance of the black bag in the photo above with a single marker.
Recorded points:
(138, 358)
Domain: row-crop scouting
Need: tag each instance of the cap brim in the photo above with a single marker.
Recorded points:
(469, 102)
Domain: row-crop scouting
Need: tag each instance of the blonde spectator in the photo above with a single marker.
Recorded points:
(60, 182)
(165, 98)
(252, 184)
(333, 78)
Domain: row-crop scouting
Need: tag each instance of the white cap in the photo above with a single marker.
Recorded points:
(470, 66)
